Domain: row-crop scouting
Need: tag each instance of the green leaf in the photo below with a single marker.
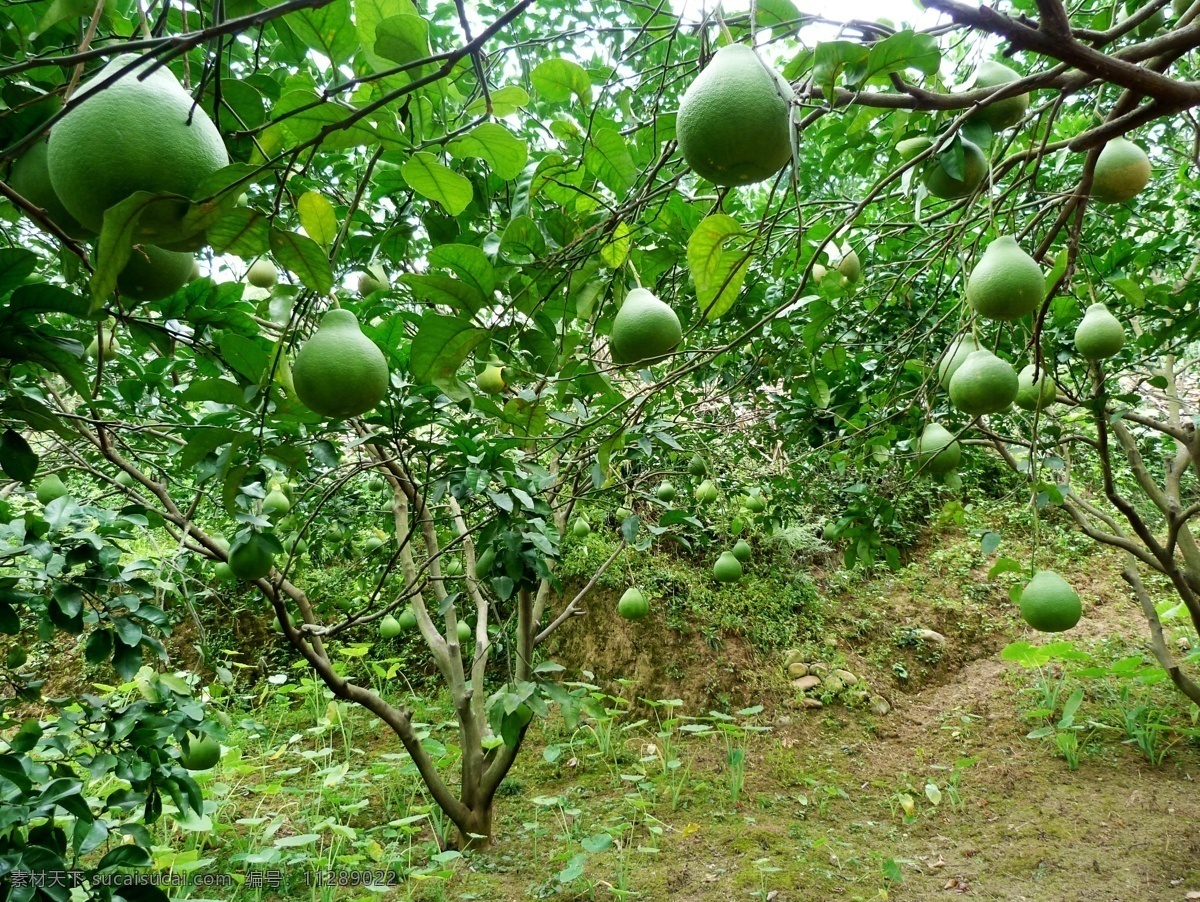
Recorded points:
(718, 271)
(989, 542)
(304, 257)
(317, 217)
(615, 251)
(244, 355)
(439, 183)
(505, 101)
(244, 232)
(557, 79)
(831, 57)
(467, 262)
(496, 146)
(16, 265)
(402, 39)
(368, 14)
(440, 347)
(609, 159)
(522, 241)
(17, 459)
(116, 243)
(904, 50)
(326, 29)
(435, 288)
(126, 856)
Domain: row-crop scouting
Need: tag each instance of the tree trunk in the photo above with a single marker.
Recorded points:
(476, 833)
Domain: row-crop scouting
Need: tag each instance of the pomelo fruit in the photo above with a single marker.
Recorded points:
(727, 569)
(106, 345)
(153, 273)
(371, 281)
(983, 384)
(262, 273)
(195, 270)
(200, 752)
(742, 551)
(941, 183)
(755, 503)
(1006, 283)
(623, 513)
(582, 529)
(912, 147)
(1003, 113)
(407, 619)
(706, 492)
(376, 484)
(938, 452)
(1048, 603)
(250, 560)
(451, 566)
(339, 372)
(389, 627)
(735, 123)
(665, 492)
(223, 572)
(1122, 171)
(372, 544)
(124, 479)
(276, 503)
(1033, 395)
(633, 605)
(491, 380)
(464, 632)
(819, 272)
(133, 135)
(644, 330)
(1099, 334)
(1147, 28)
(954, 356)
(697, 467)
(485, 561)
(30, 178)
(50, 489)
(850, 266)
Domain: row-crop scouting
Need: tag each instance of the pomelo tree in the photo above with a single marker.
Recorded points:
(477, 190)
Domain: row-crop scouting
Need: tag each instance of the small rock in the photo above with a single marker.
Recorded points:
(879, 705)
(794, 656)
(813, 703)
(930, 636)
(797, 670)
(846, 677)
(807, 682)
(783, 720)
(833, 684)
(818, 669)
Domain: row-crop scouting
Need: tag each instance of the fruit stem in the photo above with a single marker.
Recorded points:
(633, 269)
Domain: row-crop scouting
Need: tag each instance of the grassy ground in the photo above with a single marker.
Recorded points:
(944, 793)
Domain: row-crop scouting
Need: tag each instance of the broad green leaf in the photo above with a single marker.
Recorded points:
(439, 183)
(17, 459)
(441, 346)
(304, 257)
(244, 232)
(317, 217)
(717, 270)
(557, 79)
(367, 16)
(505, 101)
(467, 262)
(42, 297)
(436, 288)
(615, 251)
(495, 145)
(326, 29)
(832, 57)
(403, 39)
(116, 243)
(904, 50)
(609, 159)
(304, 116)
(244, 355)
(522, 241)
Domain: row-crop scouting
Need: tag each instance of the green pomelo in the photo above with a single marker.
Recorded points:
(491, 380)
(1003, 113)
(697, 467)
(371, 281)
(633, 605)
(372, 544)
(133, 135)
(755, 503)
(665, 492)
(262, 273)
(912, 147)
(850, 267)
(1099, 334)
(1150, 26)
(223, 572)
(1122, 171)
(1048, 603)
(954, 357)
(937, 450)
(727, 569)
(275, 503)
(1033, 395)
(464, 632)
(1006, 283)
(742, 551)
(250, 561)
(50, 489)
(124, 479)
(706, 492)
(201, 753)
(30, 178)
(485, 561)
(582, 529)
(734, 124)
(153, 273)
(644, 330)
(983, 384)
(622, 513)
(408, 619)
(941, 183)
(389, 627)
(340, 372)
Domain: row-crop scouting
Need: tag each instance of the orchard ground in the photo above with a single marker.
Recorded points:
(943, 794)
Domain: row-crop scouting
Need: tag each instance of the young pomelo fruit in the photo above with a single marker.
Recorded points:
(133, 135)
(451, 566)
(464, 632)
(372, 280)
(1099, 334)
(491, 380)
(340, 372)
(955, 356)
(1149, 26)
(938, 452)
(755, 503)
(1048, 603)
(105, 345)
(262, 273)
(727, 569)
(372, 544)
(275, 504)
(697, 467)
(249, 560)
(1122, 171)
(407, 619)
(665, 492)
(389, 627)
(734, 123)
(941, 183)
(622, 513)
(644, 330)
(124, 479)
(850, 266)
(983, 384)
(742, 551)
(153, 273)
(706, 492)
(633, 605)
(582, 529)
(485, 561)
(1006, 283)
(200, 753)
(1003, 113)
(912, 147)
(30, 178)
(1035, 395)
(50, 489)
